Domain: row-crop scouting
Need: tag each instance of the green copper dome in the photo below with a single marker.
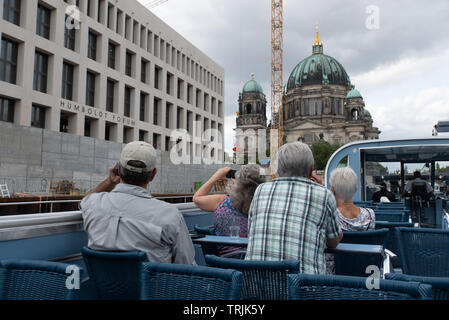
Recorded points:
(354, 93)
(252, 86)
(367, 114)
(318, 69)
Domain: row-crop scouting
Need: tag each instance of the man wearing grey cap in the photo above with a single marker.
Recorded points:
(121, 215)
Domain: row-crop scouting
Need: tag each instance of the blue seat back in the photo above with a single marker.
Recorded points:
(355, 264)
(35, 280)
(329, 287)
(115, 274)
(363, 204)
(391, 216)
(160, 281)
(440, 286)
(376, 237)
(262, 280)
(424, 252)
(382, 208)
(390, 204)
(391, 242)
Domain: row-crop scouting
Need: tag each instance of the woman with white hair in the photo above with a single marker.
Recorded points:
(343, 182)
(233, 208)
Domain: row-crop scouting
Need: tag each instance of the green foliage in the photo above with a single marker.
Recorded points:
(322, 152)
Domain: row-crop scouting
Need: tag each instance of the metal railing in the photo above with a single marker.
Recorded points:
(40, 203)
(25, 226)
(52, 202)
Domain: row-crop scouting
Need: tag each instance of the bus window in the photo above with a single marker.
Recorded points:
(378, 172)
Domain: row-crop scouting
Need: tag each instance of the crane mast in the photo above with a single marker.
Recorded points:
(276, 132)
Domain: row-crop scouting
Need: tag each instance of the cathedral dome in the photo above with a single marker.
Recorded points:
(252, 86)
(354, 93)
(318, 69)
(367, 113)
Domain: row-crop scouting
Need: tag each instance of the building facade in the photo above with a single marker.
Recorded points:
(110, 70)
(319, 105)
(251, 119)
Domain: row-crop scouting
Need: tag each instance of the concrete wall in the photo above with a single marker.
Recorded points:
(31, 158)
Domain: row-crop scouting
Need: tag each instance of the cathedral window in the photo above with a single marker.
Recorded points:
(318, 107)
(311, 107)
(355, 114)
(333, 111)
(248, 108)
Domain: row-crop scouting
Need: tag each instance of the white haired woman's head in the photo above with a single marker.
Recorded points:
(343, 182)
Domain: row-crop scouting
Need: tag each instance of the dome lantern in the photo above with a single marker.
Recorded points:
(318, 69)
(317, 46)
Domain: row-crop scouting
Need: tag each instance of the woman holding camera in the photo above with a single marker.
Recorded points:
(230, 209)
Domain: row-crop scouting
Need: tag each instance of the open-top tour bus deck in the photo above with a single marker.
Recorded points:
(60, 237)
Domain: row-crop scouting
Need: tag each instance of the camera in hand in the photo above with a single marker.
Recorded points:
(231, 174)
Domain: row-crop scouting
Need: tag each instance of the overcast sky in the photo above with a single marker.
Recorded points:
(401, 68)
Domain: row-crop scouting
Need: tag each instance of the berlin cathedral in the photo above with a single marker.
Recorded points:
(320, 104)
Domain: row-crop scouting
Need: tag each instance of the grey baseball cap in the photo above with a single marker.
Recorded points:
(138, 152)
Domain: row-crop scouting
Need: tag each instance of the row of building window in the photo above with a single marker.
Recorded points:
(38, 115)
(313, 107)
(8, 73)
(11, 13)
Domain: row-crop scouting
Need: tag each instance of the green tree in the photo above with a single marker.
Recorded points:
(322, 152)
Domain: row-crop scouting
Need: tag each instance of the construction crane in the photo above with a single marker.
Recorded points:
(154, 3)
(277, 63)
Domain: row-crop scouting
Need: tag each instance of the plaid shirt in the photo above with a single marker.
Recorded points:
(290, 219)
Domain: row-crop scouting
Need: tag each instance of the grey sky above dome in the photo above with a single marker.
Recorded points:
(400, 66)
(318, 69)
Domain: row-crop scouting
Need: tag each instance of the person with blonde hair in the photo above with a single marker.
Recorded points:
(343, 182)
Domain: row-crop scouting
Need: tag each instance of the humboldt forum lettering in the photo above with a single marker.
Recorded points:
(95, 113)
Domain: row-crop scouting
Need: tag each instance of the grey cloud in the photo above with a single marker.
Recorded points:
(236, 34)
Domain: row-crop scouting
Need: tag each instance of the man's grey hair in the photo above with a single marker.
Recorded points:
(295, 159)
(247, 179)
(344, 182)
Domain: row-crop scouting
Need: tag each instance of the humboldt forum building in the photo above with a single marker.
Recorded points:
(78, 79)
